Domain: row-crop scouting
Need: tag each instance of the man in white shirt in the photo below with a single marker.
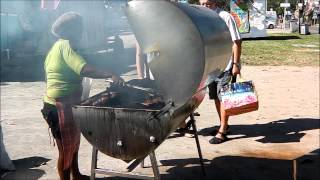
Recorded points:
(233, 68)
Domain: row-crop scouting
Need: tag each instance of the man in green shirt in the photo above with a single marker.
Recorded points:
(64, 70)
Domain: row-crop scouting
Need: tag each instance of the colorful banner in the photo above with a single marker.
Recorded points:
(239, 9)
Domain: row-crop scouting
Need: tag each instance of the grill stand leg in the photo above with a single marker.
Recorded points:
(95, 170)
(194, 128)
(154, 164)
(94, 162)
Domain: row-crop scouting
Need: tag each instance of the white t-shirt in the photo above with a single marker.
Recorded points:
(231, 24)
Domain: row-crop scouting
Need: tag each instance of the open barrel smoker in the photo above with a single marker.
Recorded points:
(187, 47)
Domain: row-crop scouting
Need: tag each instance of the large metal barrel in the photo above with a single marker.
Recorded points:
(185, 44)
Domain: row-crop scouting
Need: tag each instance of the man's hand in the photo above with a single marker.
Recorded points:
(118, 80)
(235, 70)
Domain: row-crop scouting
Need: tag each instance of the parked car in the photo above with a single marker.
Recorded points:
(270, 23)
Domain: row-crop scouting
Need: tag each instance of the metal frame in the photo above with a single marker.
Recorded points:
(135, 163)
(194, 128)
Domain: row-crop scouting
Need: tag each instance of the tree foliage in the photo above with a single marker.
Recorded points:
(275, 5)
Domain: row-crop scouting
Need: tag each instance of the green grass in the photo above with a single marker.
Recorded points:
(282, 49)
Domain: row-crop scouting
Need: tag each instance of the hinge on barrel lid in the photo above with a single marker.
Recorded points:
(166, 110)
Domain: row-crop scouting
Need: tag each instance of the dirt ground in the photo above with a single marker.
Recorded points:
(265, 144)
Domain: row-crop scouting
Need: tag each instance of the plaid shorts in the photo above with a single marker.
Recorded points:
(222, 80)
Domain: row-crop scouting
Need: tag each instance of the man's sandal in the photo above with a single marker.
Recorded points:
(215, 131)
(216, 140)
(186, 129)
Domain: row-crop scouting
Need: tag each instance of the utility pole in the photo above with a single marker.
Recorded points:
(301, 12)
(284, 15)
(266, 5)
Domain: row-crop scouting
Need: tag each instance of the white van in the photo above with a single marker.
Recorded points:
(271, 19)
(270, 22)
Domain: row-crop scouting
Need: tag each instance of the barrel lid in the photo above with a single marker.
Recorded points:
(173, 45)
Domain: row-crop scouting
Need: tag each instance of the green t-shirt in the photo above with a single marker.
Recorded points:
(62, 67)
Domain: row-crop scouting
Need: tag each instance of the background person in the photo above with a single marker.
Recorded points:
(141, 63)
(233, 68)
(64, 69)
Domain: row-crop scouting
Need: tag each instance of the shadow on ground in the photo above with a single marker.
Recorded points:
(272, 38)
(25, 169)
(246, 168)
(241, 168)
(3, 84)
(281, 131)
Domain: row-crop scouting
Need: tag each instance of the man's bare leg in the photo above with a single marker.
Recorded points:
(64, 174)
(223, 123)
(223, 119)
(139, 62)
(76, 175)
(218, 104)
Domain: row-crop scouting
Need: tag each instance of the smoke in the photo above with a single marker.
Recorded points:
(101, 18)
(26, 36)
(14, 21)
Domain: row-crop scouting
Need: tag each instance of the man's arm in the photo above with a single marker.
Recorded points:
(92, 72)
(236, 53)
(80, 67)
(139, 62)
